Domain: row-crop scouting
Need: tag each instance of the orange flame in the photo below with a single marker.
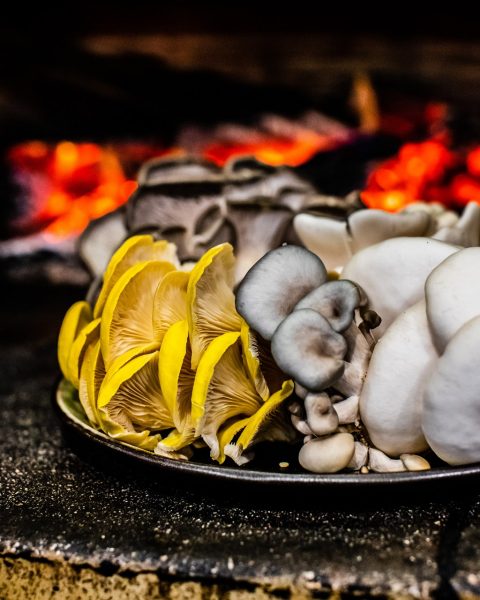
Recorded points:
(428, 171)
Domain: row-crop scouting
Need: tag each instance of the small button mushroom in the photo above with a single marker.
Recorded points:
(334, 300)
(393, 273)
(451, 404)
(305, 347)
(371, 226)
(379, 462)
(391, 398)
(413, 462)
(327, 455)
(321, 416)
(452, 292)
(359, 458)
(275, 284)
(347, 410)
(328, 238)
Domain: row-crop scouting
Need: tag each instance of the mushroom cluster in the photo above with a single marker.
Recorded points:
(319, 331)
(196, 205)
(422, 386)
(337, 241)
(163, 361)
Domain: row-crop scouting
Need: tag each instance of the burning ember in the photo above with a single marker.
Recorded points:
(429, 171)
(68, 184)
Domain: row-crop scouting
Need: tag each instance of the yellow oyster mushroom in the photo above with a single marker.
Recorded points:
(251, 356)
(92, 374)
(127, 328)
(176, 381)
(132, 398)
(76, 318)
(89, 334)
(210, 299)
(139, 248)
(170, 302)
(222, 389)
(267, 424)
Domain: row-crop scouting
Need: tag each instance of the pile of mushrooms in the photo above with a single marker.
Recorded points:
(319, 332)
(371, 395)
(337, 241)
(196, 205)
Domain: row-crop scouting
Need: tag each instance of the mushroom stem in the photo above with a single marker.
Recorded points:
(301, 425)
(321, 417)
(356, 362)
(359, 458)
(347, 410)
(381, 463)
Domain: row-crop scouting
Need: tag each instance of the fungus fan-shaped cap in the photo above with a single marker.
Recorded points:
(275, 284)
(307, 348)
(334, 300)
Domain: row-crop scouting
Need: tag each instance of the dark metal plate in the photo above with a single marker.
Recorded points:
(261, 475)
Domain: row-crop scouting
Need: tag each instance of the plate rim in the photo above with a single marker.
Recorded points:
(245, 475)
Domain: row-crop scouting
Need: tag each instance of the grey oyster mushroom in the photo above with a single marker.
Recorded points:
(197, 205)
(337, 241)
(306, 347)
(334, 300)
(275, 284)
(327, 454)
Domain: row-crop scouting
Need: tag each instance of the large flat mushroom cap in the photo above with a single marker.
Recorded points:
(391, 397)
(275, 284)
(306, 347)
(451, 405)
(452, 292)
(393, 273)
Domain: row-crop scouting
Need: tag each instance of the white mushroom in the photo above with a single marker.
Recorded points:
(359, 458)
(328, 454)
(399, 370)
(452, 292)
(393, 273)
(275, 284)
(326, 237)
(305, 347)
(379, 462)
(371, 226)
(347, 410)
(321, 416)
(466, 231)
(100, 240)
(451, 404)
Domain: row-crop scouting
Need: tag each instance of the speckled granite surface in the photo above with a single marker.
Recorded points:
(66, 526)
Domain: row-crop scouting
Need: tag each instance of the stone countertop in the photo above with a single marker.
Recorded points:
(69, 530)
